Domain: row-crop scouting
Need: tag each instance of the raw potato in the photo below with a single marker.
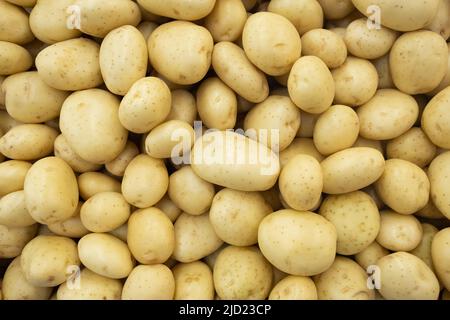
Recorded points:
(439, 253)
(12, 240)
(403, 276)
(15, 58)
(298, 243)
(370, 255)
(384, 72)
(242, 273)
(167, 206)
(184, 107)
(300, 146)
(72, 227)
(430, 211)
(14, 25)
(294, 288)
(227, 20)
(118, 166)
(24, 3)
(121, 232)
(12, 176)
(441, 21)
(7, 122)
(439, 176)
(13, 211)
(47, 261)
(325, 45)
(151, 236)
(91, 183)
(333, 9)
(403, 186)
(179, 10)
(193, 281)
(63, 150)
(236, 215)
(436, 119)
(423, 250)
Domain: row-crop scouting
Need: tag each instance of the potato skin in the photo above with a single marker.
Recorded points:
(439, 179)
(193, 281)
(439, 255)
(15, 58)
(294, 288)
(179, 10)
(436, 121)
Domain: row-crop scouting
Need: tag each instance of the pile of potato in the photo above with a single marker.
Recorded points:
(125, 172)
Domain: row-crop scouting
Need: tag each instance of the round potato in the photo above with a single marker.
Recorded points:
(12, 176)
(436, 119)
(167, 206)
(384, 72)
(12, 240)
(118, 165)
(326, 45)
(294, 288)
(179, 10)
(91, 183)
(300, 146)
(336, 9)
(370, 255)
(15, 58)
(72, 227)
(184, 107)
(438, 173)
(193, 281)
(13, 211)
(226, 21)
(423, 250)
(14, 26)
(439, 254)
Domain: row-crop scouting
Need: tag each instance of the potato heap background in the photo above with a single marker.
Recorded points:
(362, 180)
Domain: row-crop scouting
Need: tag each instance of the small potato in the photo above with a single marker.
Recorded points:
(194, 238)
(301, 182)
(72, 227)
(146, 105)
(326, 45)
(14, 25)
(294, 288)
(236, 215)
(333, 9)
(356, 219)
(12, 240)
(403, 276)
(227, 20)
(92, 287)
(70, 65)
(344, 280)
(145, 181)
(441, 259)
(47, 260)
(170, 209)
(118, 165)
(91, 183)
(370, 255)
(12, 176)
(300, 146)
(154, 282)
(15, 58)
(13, 211)
(351, 169)
(193, 281)
(151, 236)
(439, 175)
(423, 250)
(46, 178)
(234, 68)
(179, 10)
(375, 144)
(411, 69)
(106, 255)
(311, 85)
(298, 243)
(436, 119)
(184, 107)
(384, 72)
(63, 150)
(403, 186)
(242, 273)
(216, 104)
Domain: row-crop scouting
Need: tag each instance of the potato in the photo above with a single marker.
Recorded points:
(49, 21)
(234, 68)
(308, 123)
(384, 72)
(226, 21)
(105, 255)
(436, 120)
(16, 287)
(167, 45)
(294, 288)
(146, 105)
(155, 282)
(430, 211)
(13, 211)
(7, 122)
(194, 238)
(91, 183)
(118, 165)
(441, 21)
(445, 82)
(439, 254)
(63, 150)
(193, 281)
(401, 15)
(234, 161)
(12, 240)
(14, 25)
(169, 208)
(326, 45)
(151, 236)
(310, 85)
(15, 58)
(70, 65)
(438, 174)
(145, 181)
(351, 169)
(179, 10)
(216, 104)
(375, 144)
(72, 227)
(300, 146)
(46, 178)
(286, 235)
(411, 69)
(92, 287)
(12, 176)
(94, 141)
(423, 250)
(242, 273)
(24, 3)
(370, 255)
(344, 280)
(2, 93)
(47, 260)
(184, 107)
(403, 276)
(336, 9)
(403, 186)
(121, 232)
(236, 215)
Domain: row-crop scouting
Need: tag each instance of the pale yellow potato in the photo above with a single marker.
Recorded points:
(412, 70)
(308, 123)
(356, 219)
(226, 21)
(91, 286)
(344, 280)
(311, 85)
(216, 104)
(105, 255)
(184, 107)
(356, 82)
(47, 260)
(242, 273)
(234, 68)
(193, 281)
(148, 16)
(72, 227)
(234, 161)
(363, 142)
(326, 45)
(195, 238)
(12, 176)
(155, 282)
(339, 9)
(16, 287)
(298, 243)
(49, 21)
(170, 209)
(436, 119)
(13, 211)
(70, 65)
(14, 25)
(438, 174)
(151, 236)
(370, 255)
(441, 259)
(179, 10)
(91, 183)
(384, 72)
(300, 146)
(15, 58)
(118, 165)
(12, 240)
(446, 80)
(236, 215)
(145, 181)
(305, 15)
(46, 178)
(403, 186)
(403, 276)
(423, 250)
(351, 169)
(441, 21)
(294, 288)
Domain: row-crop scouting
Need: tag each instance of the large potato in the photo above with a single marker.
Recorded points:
(441, 259)
(227, 20)
(12, 240)
(179, 10)
(15, 58)
(12, 176)
(14, 26)
(294, 288)
(436, 119)
(439, 175)
(13, 211)
(193, 281)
